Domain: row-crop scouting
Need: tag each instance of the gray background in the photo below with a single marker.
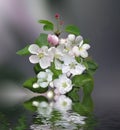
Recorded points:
(98, 20)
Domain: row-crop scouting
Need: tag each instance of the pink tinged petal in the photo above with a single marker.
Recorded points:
(84, 53)
(34, 49)
(53, 39)
(34, 59)
(86, 46)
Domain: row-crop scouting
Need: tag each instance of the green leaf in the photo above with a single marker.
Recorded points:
(88, 87)
(74, 94)
(23, 51)
(88, 102)
(42, 40)
(56, 73)
(72, 29)
(29, 104)
(90, 65)
(29, 85)
(80, 109)
(37, 68)
(48, 26)
(79, 80)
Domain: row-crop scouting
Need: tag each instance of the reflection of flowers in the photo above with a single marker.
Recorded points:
(58, 115)
(44, 109)
(63, 103)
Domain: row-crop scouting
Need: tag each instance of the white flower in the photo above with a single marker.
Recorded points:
(81, 50)
(40, 55)
(44, 78)
(63, 84)
(63, 103)
(73, 68)
(44, 109)
(74, 118)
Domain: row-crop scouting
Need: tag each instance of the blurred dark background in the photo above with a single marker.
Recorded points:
(98, 20)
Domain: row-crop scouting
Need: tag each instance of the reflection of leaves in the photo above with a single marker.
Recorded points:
(29, 106)
(85, 107)
(91, 122)
(80, 109)
(4, 125)
(88, 102)
(29, 85)
(21, 124)
(85, 80)
(55, 115)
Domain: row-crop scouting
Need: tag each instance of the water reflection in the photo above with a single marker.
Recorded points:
(42, 113)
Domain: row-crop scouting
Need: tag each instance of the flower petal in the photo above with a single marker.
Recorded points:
(84, 53)
(33, 49)
(44, 63)
(78, 39)
(86, 46)
(44, 84)
(41, 75)
(71, 37)
(34, 59)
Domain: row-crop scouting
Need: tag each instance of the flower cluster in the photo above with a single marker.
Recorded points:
(61, 64)
(63, 54)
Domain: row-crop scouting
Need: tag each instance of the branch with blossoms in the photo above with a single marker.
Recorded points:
(62, 65)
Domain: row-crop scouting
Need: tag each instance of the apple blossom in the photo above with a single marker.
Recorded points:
(81, 50)
(73, 67)
(63, 84)
(40, 55)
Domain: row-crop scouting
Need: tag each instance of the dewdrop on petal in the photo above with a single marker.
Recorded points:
(50, 94)
(35, 103)
(35, 85)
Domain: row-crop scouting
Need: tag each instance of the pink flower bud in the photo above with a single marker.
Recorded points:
(53, 39)
(57, 16)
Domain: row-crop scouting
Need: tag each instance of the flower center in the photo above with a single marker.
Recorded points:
(80, 48)
(41, 55)
(64, 84)
(72, 66)
(64, 103)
